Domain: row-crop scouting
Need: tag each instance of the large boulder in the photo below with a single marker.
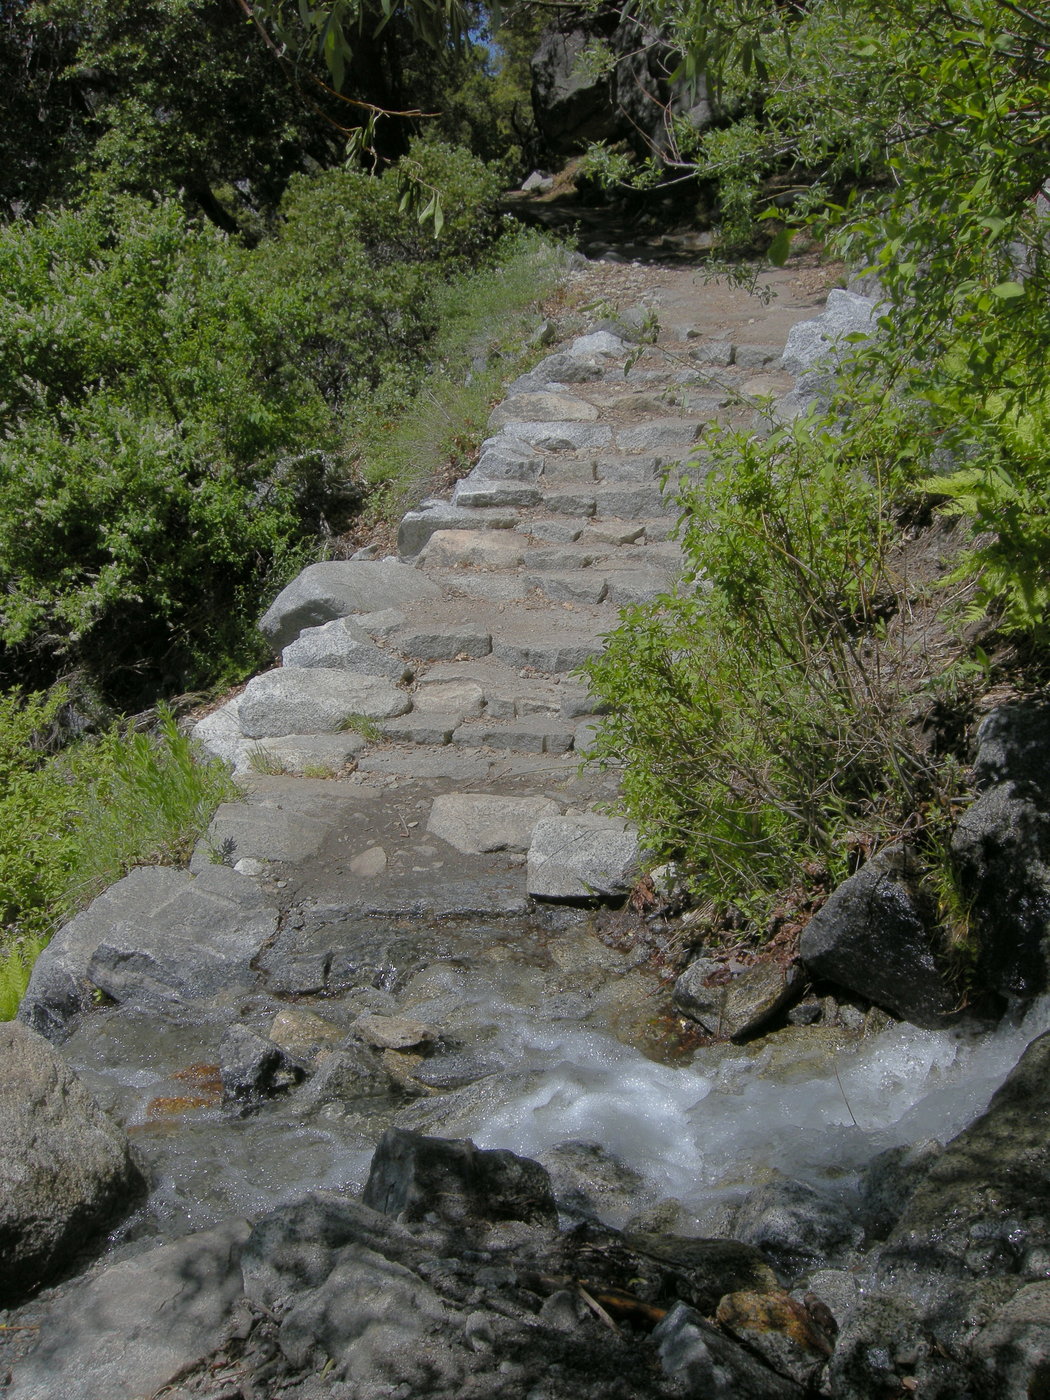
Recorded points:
(413, 1177)
(140, 1325)
(326, 591)
(811, 344)
(321, 700)
(877, 936)
(65, 1169)
(1001, 850)
(608, 77)
(156, 938)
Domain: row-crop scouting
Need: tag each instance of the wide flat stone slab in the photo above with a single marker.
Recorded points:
(658, 435)
(157, 937)
(315, 700)
(475, 822)
(580, 586)
(582, 856)
(260, 832)
(552, 655)
(136, 1327)
(220, 734)
(310, 754)
(562, 437)
(326, 591)
(525, 735)
(480, 493)
(542, 408)
(462, 697)
(442, 643)
(484, 549)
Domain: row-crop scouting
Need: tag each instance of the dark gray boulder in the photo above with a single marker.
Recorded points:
(139, 1325)
(1014, 1346)
(429, 1310)
(609, 77)
(887, 1347)
(794, 1225)
(889, 1182)
(1013, 746)
(253, 1068)
(413, 1176)
(877, 936)
(706, 1363)
(1001, 850)
(65, 1168)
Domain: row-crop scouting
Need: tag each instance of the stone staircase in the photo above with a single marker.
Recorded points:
(452, 668)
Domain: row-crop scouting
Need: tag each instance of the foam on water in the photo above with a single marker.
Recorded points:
(696, 1133)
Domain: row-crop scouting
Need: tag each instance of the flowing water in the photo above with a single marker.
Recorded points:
(547, 1037)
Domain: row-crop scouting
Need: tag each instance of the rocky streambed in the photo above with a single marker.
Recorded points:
(376, 1101)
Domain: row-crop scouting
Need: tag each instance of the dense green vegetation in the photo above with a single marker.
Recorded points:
(74, 819)
(182, 414)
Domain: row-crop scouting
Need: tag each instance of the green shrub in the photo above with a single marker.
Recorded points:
(764, 710)
(172, 411)
(73, 821)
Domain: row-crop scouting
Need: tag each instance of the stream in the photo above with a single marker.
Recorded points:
(545, 1037)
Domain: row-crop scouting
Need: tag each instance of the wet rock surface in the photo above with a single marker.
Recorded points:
(1001, 849)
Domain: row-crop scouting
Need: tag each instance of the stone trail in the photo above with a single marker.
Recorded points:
(441, 684)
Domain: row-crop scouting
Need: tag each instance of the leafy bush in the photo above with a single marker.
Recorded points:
(171, 406)
(74, 821)
(765, 711)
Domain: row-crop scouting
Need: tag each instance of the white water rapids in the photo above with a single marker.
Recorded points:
(726, 1122)
(809, 1102)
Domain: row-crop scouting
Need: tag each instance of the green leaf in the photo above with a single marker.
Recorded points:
(780, 247)
(1008, 291)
